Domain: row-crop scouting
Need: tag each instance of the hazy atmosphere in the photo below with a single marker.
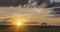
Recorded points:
(41, 15)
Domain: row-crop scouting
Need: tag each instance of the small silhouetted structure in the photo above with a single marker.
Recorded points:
(44, 24)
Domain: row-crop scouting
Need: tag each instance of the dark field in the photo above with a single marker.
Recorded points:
(11, 28)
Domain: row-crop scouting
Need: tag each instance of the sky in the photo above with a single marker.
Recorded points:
(40, 15)
(55, 0)
(28, 14)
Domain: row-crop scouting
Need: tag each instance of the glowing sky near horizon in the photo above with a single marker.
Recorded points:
(29, 14)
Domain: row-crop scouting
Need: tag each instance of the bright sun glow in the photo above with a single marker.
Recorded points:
(19, 23)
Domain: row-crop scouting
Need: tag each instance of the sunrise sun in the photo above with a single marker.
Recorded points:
(19, 23)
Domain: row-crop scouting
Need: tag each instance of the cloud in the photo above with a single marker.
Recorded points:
(29, 14)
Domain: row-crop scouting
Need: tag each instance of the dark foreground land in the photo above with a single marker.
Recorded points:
(10, 28)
